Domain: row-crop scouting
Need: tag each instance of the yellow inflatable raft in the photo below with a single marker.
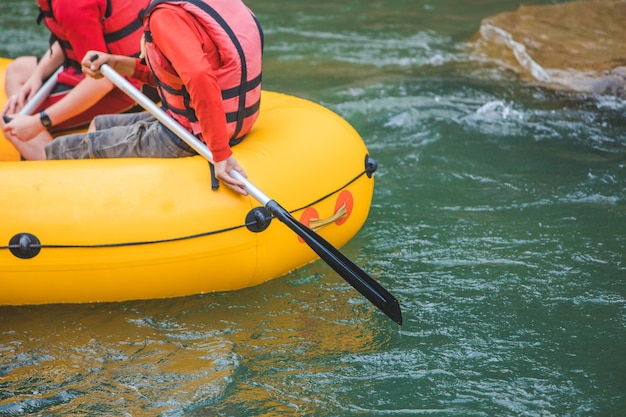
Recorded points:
(124, 229)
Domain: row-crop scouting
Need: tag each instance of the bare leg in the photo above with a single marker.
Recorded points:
(17, 73)
(32, 150)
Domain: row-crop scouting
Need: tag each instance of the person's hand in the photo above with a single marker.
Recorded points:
(15, 103)
(222, 172)
(23, 127)
(92, 61)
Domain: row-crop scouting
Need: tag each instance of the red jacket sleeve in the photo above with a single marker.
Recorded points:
(82, 22)
(189, 59)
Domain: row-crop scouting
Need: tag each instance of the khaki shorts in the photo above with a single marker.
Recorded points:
(121, 136)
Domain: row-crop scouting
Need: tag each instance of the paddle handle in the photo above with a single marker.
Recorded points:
(41, 94)
(123, 84)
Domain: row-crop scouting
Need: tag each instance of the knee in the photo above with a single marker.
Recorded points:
(17, 73)
(22, 66)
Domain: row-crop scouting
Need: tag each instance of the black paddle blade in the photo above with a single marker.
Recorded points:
(354, 275)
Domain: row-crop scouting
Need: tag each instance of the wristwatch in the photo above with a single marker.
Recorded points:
(45, 119)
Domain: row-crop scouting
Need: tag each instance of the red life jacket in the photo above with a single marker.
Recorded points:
(121, 21)
(239, 71)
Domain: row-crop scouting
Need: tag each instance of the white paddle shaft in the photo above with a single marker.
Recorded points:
(175, 127)
(41, 94)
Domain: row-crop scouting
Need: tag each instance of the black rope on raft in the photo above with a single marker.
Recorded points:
(175, 239)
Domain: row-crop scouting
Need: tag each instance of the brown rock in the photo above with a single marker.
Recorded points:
(578, 46)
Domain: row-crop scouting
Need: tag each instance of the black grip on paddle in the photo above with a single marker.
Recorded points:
(7, 119)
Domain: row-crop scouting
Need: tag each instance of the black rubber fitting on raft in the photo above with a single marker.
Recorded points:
(6, 118)
(258, 219)
(25, 245)
(370, 166)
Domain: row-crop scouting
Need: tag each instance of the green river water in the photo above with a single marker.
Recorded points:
(498, 221)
